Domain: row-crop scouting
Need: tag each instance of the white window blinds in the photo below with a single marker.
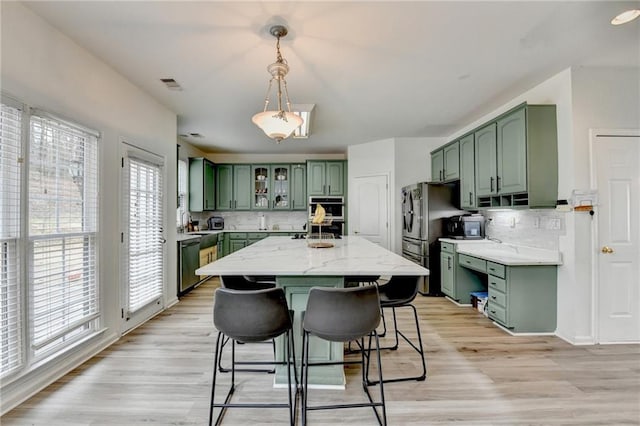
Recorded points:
(63, 217)
(11, 354)
(145, 232)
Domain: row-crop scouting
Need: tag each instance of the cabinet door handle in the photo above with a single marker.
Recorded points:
(439, 174)
(498, 183)
(470, 202)
(329, 192)
(293, 204)
(493, 312)
(235, 204)
(491, 183)
(493, 297)
(230, 203)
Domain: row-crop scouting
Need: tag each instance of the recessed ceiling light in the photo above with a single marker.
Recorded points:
(625, 17)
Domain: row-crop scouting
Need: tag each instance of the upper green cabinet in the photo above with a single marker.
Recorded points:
(281, 186)
(485, 160)
(298, 187)
(516, 158)
(326, 178)
(233, 187)
(201, 185)
(261, 187)
(445, 163)
(467, 173)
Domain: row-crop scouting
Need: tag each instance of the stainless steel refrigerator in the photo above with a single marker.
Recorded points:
(424, 208)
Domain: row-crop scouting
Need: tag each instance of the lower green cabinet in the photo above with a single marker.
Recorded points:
(523, 298)
(456, 281)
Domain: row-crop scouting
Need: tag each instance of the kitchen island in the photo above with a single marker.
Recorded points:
(297, 268)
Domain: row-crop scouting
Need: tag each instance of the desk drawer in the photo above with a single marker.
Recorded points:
(497, 298)
(472, 263)
(237, 235)
(497, 313)
(495, 269)
(498, 284)
(448, 247)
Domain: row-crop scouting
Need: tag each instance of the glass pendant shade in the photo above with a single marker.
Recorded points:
(277, 125)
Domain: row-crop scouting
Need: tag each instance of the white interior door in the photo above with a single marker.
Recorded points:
(370, 209)
(617, 167)
(143, 236)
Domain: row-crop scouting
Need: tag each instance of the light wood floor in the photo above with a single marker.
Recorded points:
(160, 374)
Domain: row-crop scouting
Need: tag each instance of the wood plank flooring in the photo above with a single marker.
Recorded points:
(160, 374)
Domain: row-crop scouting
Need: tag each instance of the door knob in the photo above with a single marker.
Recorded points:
(607, 250)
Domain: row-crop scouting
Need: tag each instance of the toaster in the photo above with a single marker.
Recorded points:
(215, 223)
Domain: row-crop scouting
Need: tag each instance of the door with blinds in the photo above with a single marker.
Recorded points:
(142, 236)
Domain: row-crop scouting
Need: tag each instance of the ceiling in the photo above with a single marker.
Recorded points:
(375, 70)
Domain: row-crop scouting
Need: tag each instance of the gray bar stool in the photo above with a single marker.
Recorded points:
(245, 283)
(399, 292)
(252, 316)
(342, 315)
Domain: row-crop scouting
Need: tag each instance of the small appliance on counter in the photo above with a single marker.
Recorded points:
(465, 227)
(215, 223)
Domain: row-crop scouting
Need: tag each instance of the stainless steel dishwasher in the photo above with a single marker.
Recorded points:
(189, 262)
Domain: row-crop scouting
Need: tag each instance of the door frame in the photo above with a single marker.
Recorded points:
(594, 134)
(387, 176)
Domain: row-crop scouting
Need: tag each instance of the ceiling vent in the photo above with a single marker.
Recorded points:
(171, 84)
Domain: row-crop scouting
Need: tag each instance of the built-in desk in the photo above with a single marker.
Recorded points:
(297, 268)
(521, 282)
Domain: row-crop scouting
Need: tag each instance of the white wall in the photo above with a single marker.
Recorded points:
(45, 69)
(603, 98)
(405, 160)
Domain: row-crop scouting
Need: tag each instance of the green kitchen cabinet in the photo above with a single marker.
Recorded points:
(447, 273)
(261, 187)
(511, 141)
(486, 160)
(223, 245)
(437, 165)
(457, 281)
(326, 178)
(445, 163)
(523, 298)
(224, 187)
(237, 241)
(299, 187)
(281, 186)
(468, 198)
(516, 158)
(233, 187)
(201, 185)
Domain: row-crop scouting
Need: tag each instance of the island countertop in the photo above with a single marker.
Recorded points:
(285, 256)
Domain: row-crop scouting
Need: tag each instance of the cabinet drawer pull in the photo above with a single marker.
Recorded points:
(493, 297)
(493, 312)
(498, 183)
(491, 183)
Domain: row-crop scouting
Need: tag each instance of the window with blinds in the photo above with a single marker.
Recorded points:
(11, 353)
(63, 217)
(145, 261)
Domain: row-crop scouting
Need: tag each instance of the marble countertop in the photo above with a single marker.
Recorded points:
(278, 255)
(506, 254)
(192, 235)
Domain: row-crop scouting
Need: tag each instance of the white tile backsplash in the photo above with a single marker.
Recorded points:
(531, 228)
(293, 220)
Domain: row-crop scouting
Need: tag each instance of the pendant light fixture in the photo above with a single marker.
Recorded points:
(278, 124)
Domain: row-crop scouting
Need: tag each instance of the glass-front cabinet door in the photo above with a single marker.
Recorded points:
(281, 187)
(261, 191)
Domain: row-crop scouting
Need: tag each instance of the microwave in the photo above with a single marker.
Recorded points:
(465, 227)
(333, 207)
